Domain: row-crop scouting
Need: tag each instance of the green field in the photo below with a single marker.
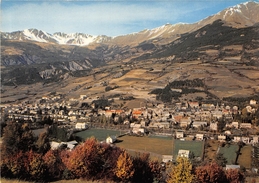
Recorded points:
(99, 134)
(229, 152)
(193, 146)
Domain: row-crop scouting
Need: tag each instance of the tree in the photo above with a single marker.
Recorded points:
(124, 169)
(142, 169)
(85, 160)
(17, 137)
(155, 169)
(109, 156)
(23, 165)
(210, 173)
(221, 160)
(54, 164)
(34, 166)
(43, 143)
(234, 176)
(182, 172)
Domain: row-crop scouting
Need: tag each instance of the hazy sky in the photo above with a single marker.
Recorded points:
(103, 17)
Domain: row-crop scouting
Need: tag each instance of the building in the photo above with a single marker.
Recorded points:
(111, 139)
(81, 126)
(199, 136)
(197, 124)
(214, 126)
(222, 138)
(179, 135)
(232, 167)
(245, 125)
(185, 121)
(167, 158)
(183, 153)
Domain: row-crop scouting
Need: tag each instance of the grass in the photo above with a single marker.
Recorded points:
(99, 134)
(160, 146)
(244, 158)
(154, 145)
(229, 152)
(194, 146)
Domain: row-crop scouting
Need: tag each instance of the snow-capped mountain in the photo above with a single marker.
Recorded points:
(242, 15)
(59, 38)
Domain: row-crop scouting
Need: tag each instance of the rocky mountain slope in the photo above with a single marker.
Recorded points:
(218, 49)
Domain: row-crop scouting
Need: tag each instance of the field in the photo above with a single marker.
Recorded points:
(154, 145)
(229, 152)
(194, 146)
(99, 134)
(244, 158)
(211, 150)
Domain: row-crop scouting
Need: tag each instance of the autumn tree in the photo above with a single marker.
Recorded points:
(142, 169)
(210, 173)
(24, 165)
(182, 172)
(124, 169)
(155, 169)
(234, 176)
(54, 164)
(17, 137)
(34, 166)
(85, 161)
(109, 156)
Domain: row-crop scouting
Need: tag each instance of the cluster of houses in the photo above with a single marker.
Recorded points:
(189, 114)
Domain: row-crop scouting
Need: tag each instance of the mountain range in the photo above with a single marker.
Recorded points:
(227, 41)
(242, 15)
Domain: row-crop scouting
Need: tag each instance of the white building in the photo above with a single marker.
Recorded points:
(183, 153)
(110, 140)
(81, 126)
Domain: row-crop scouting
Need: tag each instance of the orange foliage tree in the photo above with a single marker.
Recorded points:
(84, 161)
(54, 164)
(24, 165)
(211, 173)
(234, 176)
(124, 169)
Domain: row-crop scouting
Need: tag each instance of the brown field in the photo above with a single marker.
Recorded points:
(162, 146)
(210, 152)
(244, 158)
(252, 74)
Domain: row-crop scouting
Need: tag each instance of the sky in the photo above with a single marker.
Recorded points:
(103, 17)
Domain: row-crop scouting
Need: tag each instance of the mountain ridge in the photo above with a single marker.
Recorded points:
(241, 15)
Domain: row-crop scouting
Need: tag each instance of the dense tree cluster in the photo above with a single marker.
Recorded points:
(26, 157)
(187, 83)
